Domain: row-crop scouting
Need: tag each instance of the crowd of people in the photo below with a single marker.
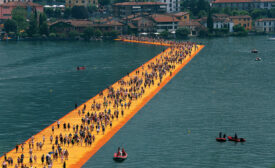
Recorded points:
(100, 114)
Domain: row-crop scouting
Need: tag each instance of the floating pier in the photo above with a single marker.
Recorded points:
(80, 153)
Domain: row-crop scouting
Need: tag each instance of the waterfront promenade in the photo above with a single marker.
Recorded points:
(107, 108)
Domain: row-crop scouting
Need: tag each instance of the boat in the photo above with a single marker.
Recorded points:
(120, 158)
(258, 59)
(254, 51)
(221, 139)
(80, 68)
(230, 138)
(271, 38)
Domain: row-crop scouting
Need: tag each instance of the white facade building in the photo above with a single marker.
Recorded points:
(219, 23)
(172, 5)
(244, 4)
(165, 22)
(265, 25)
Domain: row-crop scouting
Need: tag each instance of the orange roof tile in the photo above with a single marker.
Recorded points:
(190, 23)
(164, 18)
(180, 14)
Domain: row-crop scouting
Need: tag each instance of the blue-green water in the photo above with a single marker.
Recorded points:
(221, 89)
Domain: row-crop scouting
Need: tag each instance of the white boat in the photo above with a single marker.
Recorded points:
(258, 59)
(271, 38)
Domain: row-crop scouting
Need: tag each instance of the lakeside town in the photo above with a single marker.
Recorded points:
(93, 19)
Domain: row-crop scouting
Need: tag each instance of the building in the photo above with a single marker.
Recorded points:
(265, 25)
(193, 25)
(219, 22)
(165, 22)
(132, 8)
(172, 5)
(182, 16)
(143, 24)
(104, 25)
(72, 3)
(6, 1)
(244, 20)
(6, 8)
(244, 4)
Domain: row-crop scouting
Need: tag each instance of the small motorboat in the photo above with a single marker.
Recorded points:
(271, 38)
(120, 158)
(81, 68)
(221, 139)
(254, 51)
(230, 138)
(258, 59)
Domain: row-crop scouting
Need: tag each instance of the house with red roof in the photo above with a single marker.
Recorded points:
(6, 8)
(165, 22)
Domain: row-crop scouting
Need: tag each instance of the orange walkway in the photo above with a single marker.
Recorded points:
(80, 154)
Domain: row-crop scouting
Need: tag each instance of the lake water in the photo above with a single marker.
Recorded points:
(221, 89)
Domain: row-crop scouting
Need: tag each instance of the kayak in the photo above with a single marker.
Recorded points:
(236, 140)
(120, 158)
(221, 139)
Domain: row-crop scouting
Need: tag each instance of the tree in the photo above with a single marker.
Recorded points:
(49, 12)
(91, 9)
(164, 34)
(113, 34)
(57, 13)
(73, 34)
(88, 33)
(202, 13)
(79, 12)
(272, 13)
(258, 13)
(202, 5)
(98, 33)
(43, 26)
(182, 33)
(33, 27)
(44, 29)
(19, 15)
(67, 13)
(216, 10)
(210, 21)
(238, 28)
(10, 26)
(227, 11)
(104, 2)
(42, 19)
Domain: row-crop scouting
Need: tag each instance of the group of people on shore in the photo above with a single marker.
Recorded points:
(101, 113)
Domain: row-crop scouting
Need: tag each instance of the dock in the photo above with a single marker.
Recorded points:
(134, 96)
